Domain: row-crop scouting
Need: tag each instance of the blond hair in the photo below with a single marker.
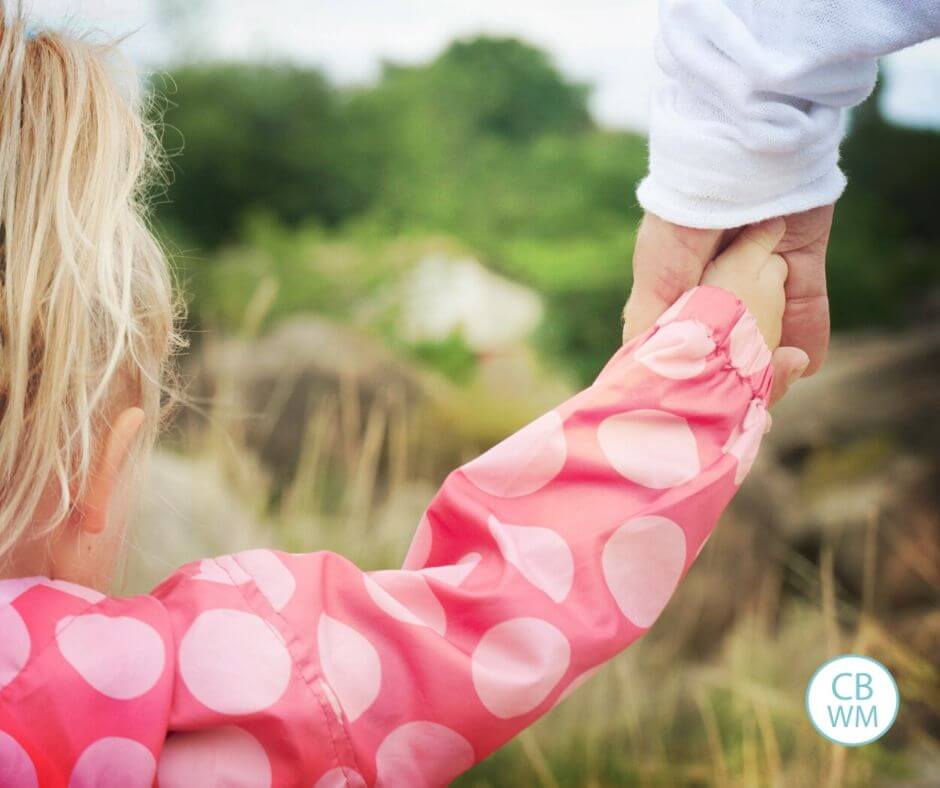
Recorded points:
(86, 302)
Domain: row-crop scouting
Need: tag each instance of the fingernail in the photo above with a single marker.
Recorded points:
(796, 372)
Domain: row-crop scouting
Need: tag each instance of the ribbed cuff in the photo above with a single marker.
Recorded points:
(733, 330)
(692, 210)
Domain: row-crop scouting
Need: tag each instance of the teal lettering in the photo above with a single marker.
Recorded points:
(862, 722)
(860, 685)
(842, 716)
(835, 689)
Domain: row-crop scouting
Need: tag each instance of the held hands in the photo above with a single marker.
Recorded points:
(774, 267)
(750, 269)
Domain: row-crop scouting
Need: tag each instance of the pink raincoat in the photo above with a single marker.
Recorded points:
(536, 562)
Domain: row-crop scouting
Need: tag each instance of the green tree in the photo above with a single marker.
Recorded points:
(244, 138)
(885, 247)
(508, 89)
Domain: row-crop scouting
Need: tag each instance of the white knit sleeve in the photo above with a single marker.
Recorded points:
(749, 105)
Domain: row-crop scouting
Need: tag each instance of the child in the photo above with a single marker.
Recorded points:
(536, 562)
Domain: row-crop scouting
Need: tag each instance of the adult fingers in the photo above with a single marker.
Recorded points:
(806, 318)
(789, 364)
(667, 261)
(806, 325)
(754, 244)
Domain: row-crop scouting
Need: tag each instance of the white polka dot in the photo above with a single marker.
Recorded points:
(420, 548)
(523, 463)
(114, 762)
(226, 756)
(749, 353)
(678, 350)
(422, 755)
(121, 657)
(650, 447)
(407, 597)
(745, 439)
(274, 580)
(234, 662)
(642, 563)
(453, 574)
(676, 309)
(341, 777)
(80, 592)
(16, 767)
(14, 645)
(517, 664)
(11, 589)
(540, 554)
(350, 664)
(227, 572)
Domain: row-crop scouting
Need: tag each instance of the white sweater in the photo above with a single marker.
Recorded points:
(749, 106)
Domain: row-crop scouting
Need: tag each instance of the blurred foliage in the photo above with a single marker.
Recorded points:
(450, 356)
(260, 138)
(294, 196)
(884, 254)
(491, 146)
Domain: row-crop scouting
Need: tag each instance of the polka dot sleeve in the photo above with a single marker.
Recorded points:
(534, 563)
(553, 551)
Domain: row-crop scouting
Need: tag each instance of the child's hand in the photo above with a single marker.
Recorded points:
(750, 269)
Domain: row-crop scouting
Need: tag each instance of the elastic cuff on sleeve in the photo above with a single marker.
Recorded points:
(733, 329)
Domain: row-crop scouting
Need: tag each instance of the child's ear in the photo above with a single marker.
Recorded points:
(108, 470)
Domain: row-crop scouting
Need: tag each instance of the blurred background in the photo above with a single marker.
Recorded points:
(403, 229)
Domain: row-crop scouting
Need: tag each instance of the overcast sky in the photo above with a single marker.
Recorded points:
(605, 42)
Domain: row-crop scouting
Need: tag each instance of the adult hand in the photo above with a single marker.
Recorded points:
(669, 259)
